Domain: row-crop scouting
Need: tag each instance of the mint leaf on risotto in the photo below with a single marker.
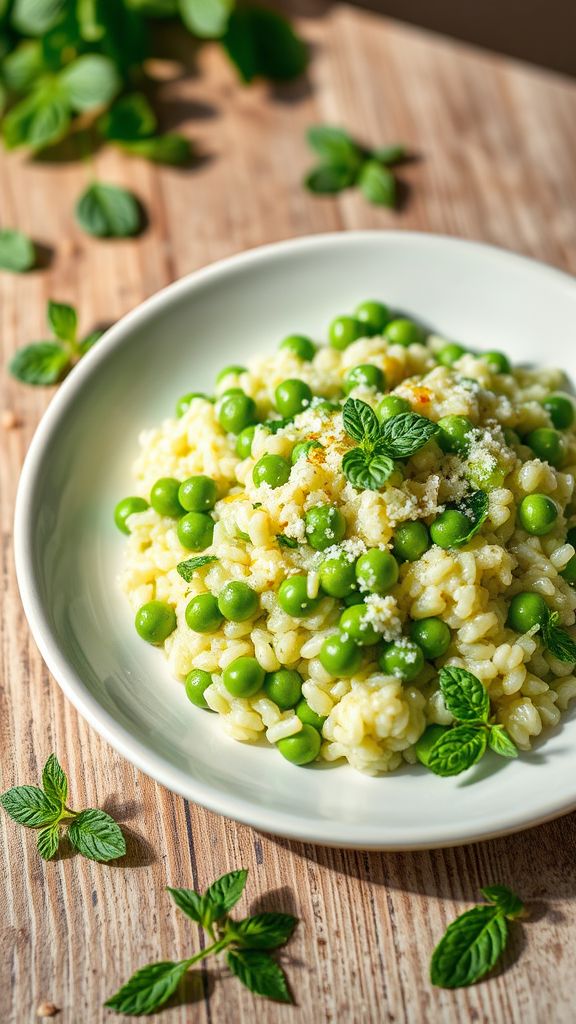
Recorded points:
(457, 750)
(188, 568)
(366, 471)
(558, 640)
(360, 421)
(404, 434)
(464, 695)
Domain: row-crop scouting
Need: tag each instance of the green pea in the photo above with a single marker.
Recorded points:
(427, 740)
(377, 571)
(195, 531)
(293, 597)
(548, 445)
(229, 371)
(354, 622)
(302, 450)
(497, 362)
(301, 346)
(164, 497)
(340, 655)
(527, 610)
(237, 601)
(127, 507)
(373, 316)
(202, 614)
(450, 354)
(236, 411)
(155, 621)
(324, 407)
(344, 330)
(244, 442)
(537, 514)
(411, 541)
(184, 403)
(273, 470)
(338, 576)
(432, 636)
(569, 571)
(309, 717)
(450, 528)
(484, 476)
(197, 681)
(292, 396)
(301, 748)
(391, 405)
(198, 493)
(243, 677)
(365, 375)
(454, 433)
(284, 687)
(560, 409)
(403, 659)
(404, 332)
(325, 526)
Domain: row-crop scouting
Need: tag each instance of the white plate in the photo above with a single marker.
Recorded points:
(68, 549)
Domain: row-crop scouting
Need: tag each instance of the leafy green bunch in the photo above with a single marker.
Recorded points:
(68, 63)
(371, 462)
(91, 832)
(450, 751)
(344, 163)
(247, 943)
(46, 362)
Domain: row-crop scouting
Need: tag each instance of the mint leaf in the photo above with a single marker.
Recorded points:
(206, 18)
(470, 948)
(48, 841)
(89, 341)
(42, 363)
(107, 211)
(54, 781)
(17, 252)
(377, 184)
(365, 471)
(335, 147)
(503, 898)
(464, 695)
(259, 973)
(90, 81)
(390, 155)
(149, 988)
(190, 903)
(404, 434)
(500, 742)
(188, 568)
(131, 118)
(23, 65)
(327, 179)
(360, 420)
(35, 17)
(97, 836)
(29, 806)
(475, 507)
(227, 890)
(174, 150)
(261, 43)
(40, 119)
(557, 640)
(457, 750)
(63, 320)
(264, 931)
(286, 542)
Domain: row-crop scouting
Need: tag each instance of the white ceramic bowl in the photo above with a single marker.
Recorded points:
(68, 550)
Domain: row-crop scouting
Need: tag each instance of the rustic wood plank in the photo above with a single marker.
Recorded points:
(498, 155)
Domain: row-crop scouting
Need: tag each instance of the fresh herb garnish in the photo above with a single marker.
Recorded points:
(107, 211)
(92, 833)
(558, 641)
(475, 506)
(286, 542)
(344, 163)
(369, 465)
(189, 567)
(245, 941)
(463, 745)
(46, 362)
(17, 252)
(474, 942)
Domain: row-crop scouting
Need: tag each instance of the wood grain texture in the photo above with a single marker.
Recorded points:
(498, 152)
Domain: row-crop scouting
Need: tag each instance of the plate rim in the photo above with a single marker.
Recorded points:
(289, 826)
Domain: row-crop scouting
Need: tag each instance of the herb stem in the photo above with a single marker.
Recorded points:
(216, 947)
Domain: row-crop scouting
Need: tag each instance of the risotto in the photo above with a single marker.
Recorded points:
(317, 541)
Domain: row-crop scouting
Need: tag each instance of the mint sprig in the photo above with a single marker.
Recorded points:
(92, 832)
(558, 640)
(47, 362)
(475, 941)
(345, 163)
(458, 748)
(371, 463)
(246, 942)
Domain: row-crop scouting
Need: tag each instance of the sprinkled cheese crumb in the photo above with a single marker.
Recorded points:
(382, 613)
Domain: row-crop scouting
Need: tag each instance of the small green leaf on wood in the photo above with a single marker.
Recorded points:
(97, 836)
(63, 320)
(48, 841)
(149, 988)
(17, 251)
(259, 973)
(470, 948)
(377, 184)
(108, 211)
(44, 362)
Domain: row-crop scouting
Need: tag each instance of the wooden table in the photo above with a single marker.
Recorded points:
(498, 152)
